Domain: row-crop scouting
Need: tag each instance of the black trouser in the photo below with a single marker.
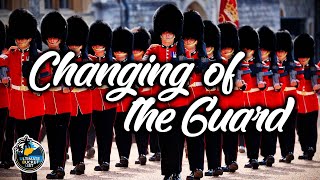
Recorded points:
(142, 137)
(252, 138)
(230, 146)
(213, 148)
(172, 144)
(57, 127)
(195, 147)
(103, 124)
(31, 127)
(241, 139)
(78, 130)
(268, 144)
(154, 142)
(91, 136)
(123, 137)
(307, 130)
(3, 122)
(287, 137)
(8, 143)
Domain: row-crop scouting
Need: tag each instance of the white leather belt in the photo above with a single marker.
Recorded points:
(196, 84)
(304, 93)
(270, 88)
(58, 88)
(212, 89)
(103, 87)
(252, 90)
(76, 90)
(19, 88)
(146, 89)
(290, 88)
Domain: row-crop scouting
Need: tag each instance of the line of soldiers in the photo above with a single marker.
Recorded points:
(266, 77)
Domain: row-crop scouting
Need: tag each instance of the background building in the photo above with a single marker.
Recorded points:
(295, 15)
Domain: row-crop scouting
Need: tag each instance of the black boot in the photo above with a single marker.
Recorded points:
(56, 174)
(102, 167)
(289, 157)
(310, 153)
(155, 157)
(142, 159)
(176, 177)
(78, 169)
(90, 153)
(253, 163)
(217, 172)
(233, 166)
(269, 161)
(123, 162)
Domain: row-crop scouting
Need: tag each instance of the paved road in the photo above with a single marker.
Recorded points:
(298, 169)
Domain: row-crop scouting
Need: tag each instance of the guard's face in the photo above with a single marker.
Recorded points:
(190, 43)
(167, 37)
(23, 43)
(249, 52)
(137, 54)
(281, 55)
(209, 50)
(75, 48)
(120, 56)
(264, 54)
(303, 61)
(53, 42)
(98, 48)
(227, 52)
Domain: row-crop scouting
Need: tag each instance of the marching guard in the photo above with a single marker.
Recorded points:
(104, 113)
(284, 52)
(307, 98)
(81, 98)
(26, 108)
(141, 44)
(122, 44)
(213, 140)
(57, 99)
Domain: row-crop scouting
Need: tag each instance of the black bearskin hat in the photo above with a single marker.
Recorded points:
(154, 38)
(284, 41)
(38, 40)
(141, 39)
(54, 25)
(122, 40)
(9, 39)
(248, 38)
(267, 38)
(2, 36)
(303, 46)
(229, 36)
(22, 24)
(168, 18)
(211, 34)
(100, 34)
(192, 26)
(77, 31)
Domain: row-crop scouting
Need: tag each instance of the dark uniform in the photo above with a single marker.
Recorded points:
(229, 39)
(287, 76)
(123, 42)
(307, 98)
(193, 29)
(249, 40)
(57, 102)
(26, 108)
(81, 102)
(104, 113)
(168, 18)
(141, 44)
(272, 98)
(154, 138)
(213, 140)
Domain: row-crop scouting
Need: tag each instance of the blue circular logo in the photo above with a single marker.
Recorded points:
(28, 154)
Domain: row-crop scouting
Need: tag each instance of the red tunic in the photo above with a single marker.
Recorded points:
(81, 98)
(274, 99)
(98, 94)
(165, 54)
(253, 95)
(56, 102)
(23, 104)
(287, 89)
(307, 99)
